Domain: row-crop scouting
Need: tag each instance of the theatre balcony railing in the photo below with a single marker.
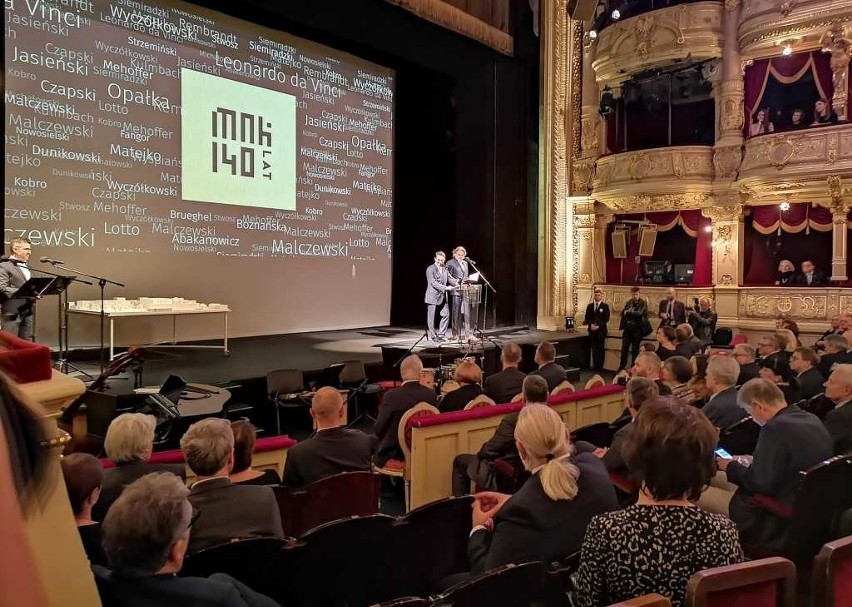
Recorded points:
(662, 179)
(657, 39)
(796, 163)
(767, 25)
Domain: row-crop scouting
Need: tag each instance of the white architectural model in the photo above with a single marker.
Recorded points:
(143, 304)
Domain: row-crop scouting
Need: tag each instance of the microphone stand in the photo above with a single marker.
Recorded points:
(102, 282)
(62, 323)
(490, 286)
(409, 351)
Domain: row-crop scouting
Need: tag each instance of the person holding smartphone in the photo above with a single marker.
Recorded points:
(702, 318)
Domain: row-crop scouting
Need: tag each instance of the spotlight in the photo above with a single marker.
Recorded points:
(616, 14)
(784, 206)
(708, 228)
(607, 106)
(787, 50)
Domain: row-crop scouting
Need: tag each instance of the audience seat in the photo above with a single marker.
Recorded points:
(599, 434)
(517, 398)
(507, 586)
(595, 381)
(740, 438)
(560, 579)
(565, 386)
(282, 383)
(824, 494)
(479, 401)
(649, 600)
(252, 561)
(832, 575)
(765, 583)
(819, 405)
(396, 468)
(510, 474)
(329, 499)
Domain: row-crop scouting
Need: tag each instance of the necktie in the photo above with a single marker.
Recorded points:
(671, 310)
(810, 277)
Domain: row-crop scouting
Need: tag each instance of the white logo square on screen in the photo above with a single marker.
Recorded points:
(238, 143)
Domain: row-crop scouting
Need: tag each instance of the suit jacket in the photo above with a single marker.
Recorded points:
(395, 403)
(553, 373)
(678, 313)
(792, 441)
(532, 527)
(827, 361)
(436, 284)
(502, 443)
(819, 278)
(838, 422)
(218, 590)
(458, 398)
(613, 460)
(722, 410)
(12, 279)
(810, 383)
(458, 270)
(599, 318)
(326, 453)
(703, 324)
(748, 371)
(116, 479)
(231, 511)
(505, 385)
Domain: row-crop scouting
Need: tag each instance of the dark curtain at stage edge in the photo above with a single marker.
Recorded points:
(784, 69)
(680, 234)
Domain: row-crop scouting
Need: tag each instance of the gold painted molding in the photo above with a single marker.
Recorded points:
(457, 20)
(767, 24)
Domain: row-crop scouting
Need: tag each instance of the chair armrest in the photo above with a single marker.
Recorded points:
(772, 505)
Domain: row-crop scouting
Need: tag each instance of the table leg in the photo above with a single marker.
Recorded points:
(227, 352)
(174, 329)
(111, 338)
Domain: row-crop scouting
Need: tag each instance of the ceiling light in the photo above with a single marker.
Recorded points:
(593, 34)
(787, 50)
(616, 14)
(708, 228)
(784, 206)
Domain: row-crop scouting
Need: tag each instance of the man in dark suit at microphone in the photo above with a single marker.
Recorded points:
(17, 314)
(459, 269)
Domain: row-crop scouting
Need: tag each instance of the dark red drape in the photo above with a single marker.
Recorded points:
(703, 253)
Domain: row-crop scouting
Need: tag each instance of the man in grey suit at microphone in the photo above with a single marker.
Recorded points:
(438, 283)
(17, 313)
(459, 269)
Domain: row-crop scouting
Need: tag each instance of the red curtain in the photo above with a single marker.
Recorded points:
(785, 69)
(703, 253)
(802, 216)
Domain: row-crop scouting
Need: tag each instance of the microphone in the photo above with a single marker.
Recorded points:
(49, 260)
(469, 259)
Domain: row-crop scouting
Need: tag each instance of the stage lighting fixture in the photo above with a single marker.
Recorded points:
(607, 106)
(788, 50)
(616, 14)
(593, 34)
(784, 206)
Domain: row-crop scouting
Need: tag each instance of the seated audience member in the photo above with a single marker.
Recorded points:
(688, 345)
(786, 273)
(677, 371)
(811, 276)
(698, 382)
(790, 441)
(836, 353)
(502, 387)
(836, 328)
(722, 408)
(648, 365)
(760, 124)
(777, 370)
(554, 374)
(333, 449)
(468, 375)
(790, 341)
(703, 321)
(83, 477)
(666, 342)
(129, 443)
(241, 473)
(479, 468)
(744, 354)
(657, 544)
(846, 324)
(639, 390)
(784, 322)
(771, 346)
(146, 536)
(228, 511)
(823, 112)
(797, 119)
(809, 380)
(838, 421)
(546, 519)
(395, 403)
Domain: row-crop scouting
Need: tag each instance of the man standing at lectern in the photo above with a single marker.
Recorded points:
(459, 269)
(17, 313)
(438, 284)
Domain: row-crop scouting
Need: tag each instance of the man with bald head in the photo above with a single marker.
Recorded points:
(395, 403)
(838, 421)
(334, 448)
(672, 312)
(505, 385)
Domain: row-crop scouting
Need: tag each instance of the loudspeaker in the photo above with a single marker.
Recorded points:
(582, 10)
(647, 240)
(619, 244)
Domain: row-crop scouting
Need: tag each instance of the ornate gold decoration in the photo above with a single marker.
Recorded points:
(745, 63)
(661, 202)
(726, 280)
(727, 161)
(586, 279)
(583, 172)
(576, 103)
(448, 16)
(767, 304)
(639, 166)
(731, 4)
(779, 151)
(723, 214)
(589, 141)
(838, 41)
(762, 31)
(585, 221)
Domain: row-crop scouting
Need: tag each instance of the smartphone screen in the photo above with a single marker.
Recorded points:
(722, 453)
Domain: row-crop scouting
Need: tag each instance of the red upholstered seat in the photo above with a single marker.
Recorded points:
(175, 456)
(764, 583)
(394, 465)
(773, 505)
(621, 482)
(738, 339)
(23, 360)
(831, 585)
(763, 594)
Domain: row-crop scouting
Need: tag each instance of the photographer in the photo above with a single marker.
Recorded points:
(702, 319)
(634, 326)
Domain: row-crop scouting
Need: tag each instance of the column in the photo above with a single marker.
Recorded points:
(728, 232)
(729, 93)
(839, 233)
(834, 42)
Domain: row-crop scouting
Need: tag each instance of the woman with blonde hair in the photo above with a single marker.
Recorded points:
(469, 377)
(546, 519)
